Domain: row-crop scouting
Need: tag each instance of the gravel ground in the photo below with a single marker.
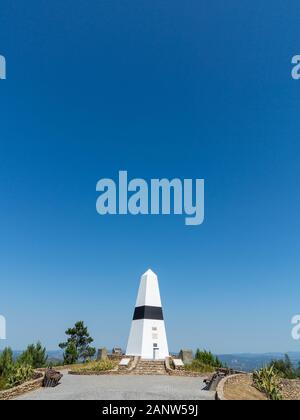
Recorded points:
(109, 387)
(290, 389)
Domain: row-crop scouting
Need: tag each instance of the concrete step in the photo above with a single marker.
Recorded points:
(150, 367)
(146, 363)
(160, 365)
(149, 373)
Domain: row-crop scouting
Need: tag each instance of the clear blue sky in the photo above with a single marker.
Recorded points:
(160, 88)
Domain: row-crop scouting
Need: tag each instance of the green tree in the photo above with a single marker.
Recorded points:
(77, 347)
(35, 356)
(6, 361)
(70, 353)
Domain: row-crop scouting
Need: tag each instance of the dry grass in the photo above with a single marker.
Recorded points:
(97, 366)
(199, 367)
(241, 388)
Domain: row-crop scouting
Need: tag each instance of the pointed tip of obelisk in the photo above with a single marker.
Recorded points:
(149, 272)
(148, 294)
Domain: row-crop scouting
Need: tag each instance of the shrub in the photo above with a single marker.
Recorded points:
(198, 366)
(2, 383)
(18, 374)
(14, 373)
(266, 380)
(284, 368)
(207, 358)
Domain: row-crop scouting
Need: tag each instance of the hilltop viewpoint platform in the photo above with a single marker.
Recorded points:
(123, 387)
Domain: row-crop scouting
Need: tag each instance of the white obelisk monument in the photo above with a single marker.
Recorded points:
(147, 336)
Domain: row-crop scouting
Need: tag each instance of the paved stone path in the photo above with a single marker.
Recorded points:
(123, 387)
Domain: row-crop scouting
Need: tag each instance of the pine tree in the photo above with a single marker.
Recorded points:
(35, 356)
(6, 361)
(70, 354)
(77, 347)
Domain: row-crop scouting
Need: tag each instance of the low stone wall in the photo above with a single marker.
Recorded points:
(92, 372)
(175, 372)
(116, 357)
(240, 388)
(220, 396)
(59, 368)
(22, 389)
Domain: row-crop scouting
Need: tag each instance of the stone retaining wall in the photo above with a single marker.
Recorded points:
(91, 373)
(22, 389)
(220, 395)
(188, 373)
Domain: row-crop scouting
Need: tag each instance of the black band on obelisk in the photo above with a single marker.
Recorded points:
(148, 312)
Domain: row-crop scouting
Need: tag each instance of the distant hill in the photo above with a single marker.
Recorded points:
(251, 361)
